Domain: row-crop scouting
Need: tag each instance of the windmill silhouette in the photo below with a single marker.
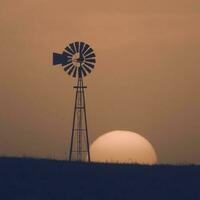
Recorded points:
(78, 60)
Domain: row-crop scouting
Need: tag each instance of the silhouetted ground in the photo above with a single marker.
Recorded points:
(40, 179)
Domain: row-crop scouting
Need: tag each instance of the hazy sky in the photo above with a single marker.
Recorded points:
(146, 78)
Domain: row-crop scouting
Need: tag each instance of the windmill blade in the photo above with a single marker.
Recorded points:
(75, 72)
(83, 71)
(77, 46)
(68, 50)
(90, 60)
(87, 68)
(81, 46)
(66, 62)
(85, 48)
(72, 47)
(71, 70)
(66, 59)
(79, 72)
(57, 58)
(90, 50)
(67, 54)
(81, 57)
(89, 65)
(68, 67)
(90, 55)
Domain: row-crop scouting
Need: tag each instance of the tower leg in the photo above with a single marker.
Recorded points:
(86, 128)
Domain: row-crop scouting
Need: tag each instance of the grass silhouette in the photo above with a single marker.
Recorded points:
(42, 179)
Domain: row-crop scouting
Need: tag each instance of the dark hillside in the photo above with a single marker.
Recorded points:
(40, 179)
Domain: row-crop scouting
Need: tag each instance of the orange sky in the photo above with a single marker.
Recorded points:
(146, 78)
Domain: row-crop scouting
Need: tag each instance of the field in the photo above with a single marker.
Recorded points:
(41, 179)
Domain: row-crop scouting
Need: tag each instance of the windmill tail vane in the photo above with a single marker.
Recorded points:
(78, 60)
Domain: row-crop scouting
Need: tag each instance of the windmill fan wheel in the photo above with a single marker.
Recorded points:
(78, 59)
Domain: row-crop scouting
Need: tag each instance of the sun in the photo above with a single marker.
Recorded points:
(122, 147)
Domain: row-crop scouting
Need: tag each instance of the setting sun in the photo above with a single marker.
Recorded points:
(123, 147)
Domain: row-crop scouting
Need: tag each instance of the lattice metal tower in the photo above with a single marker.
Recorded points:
(78, 60)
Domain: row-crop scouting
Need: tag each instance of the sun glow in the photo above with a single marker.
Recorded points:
(122, 147)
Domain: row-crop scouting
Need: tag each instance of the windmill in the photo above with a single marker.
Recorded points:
(78, 60)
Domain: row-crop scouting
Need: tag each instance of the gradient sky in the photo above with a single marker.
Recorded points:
(146, 78)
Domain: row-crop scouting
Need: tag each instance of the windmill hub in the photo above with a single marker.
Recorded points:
(77, 60)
